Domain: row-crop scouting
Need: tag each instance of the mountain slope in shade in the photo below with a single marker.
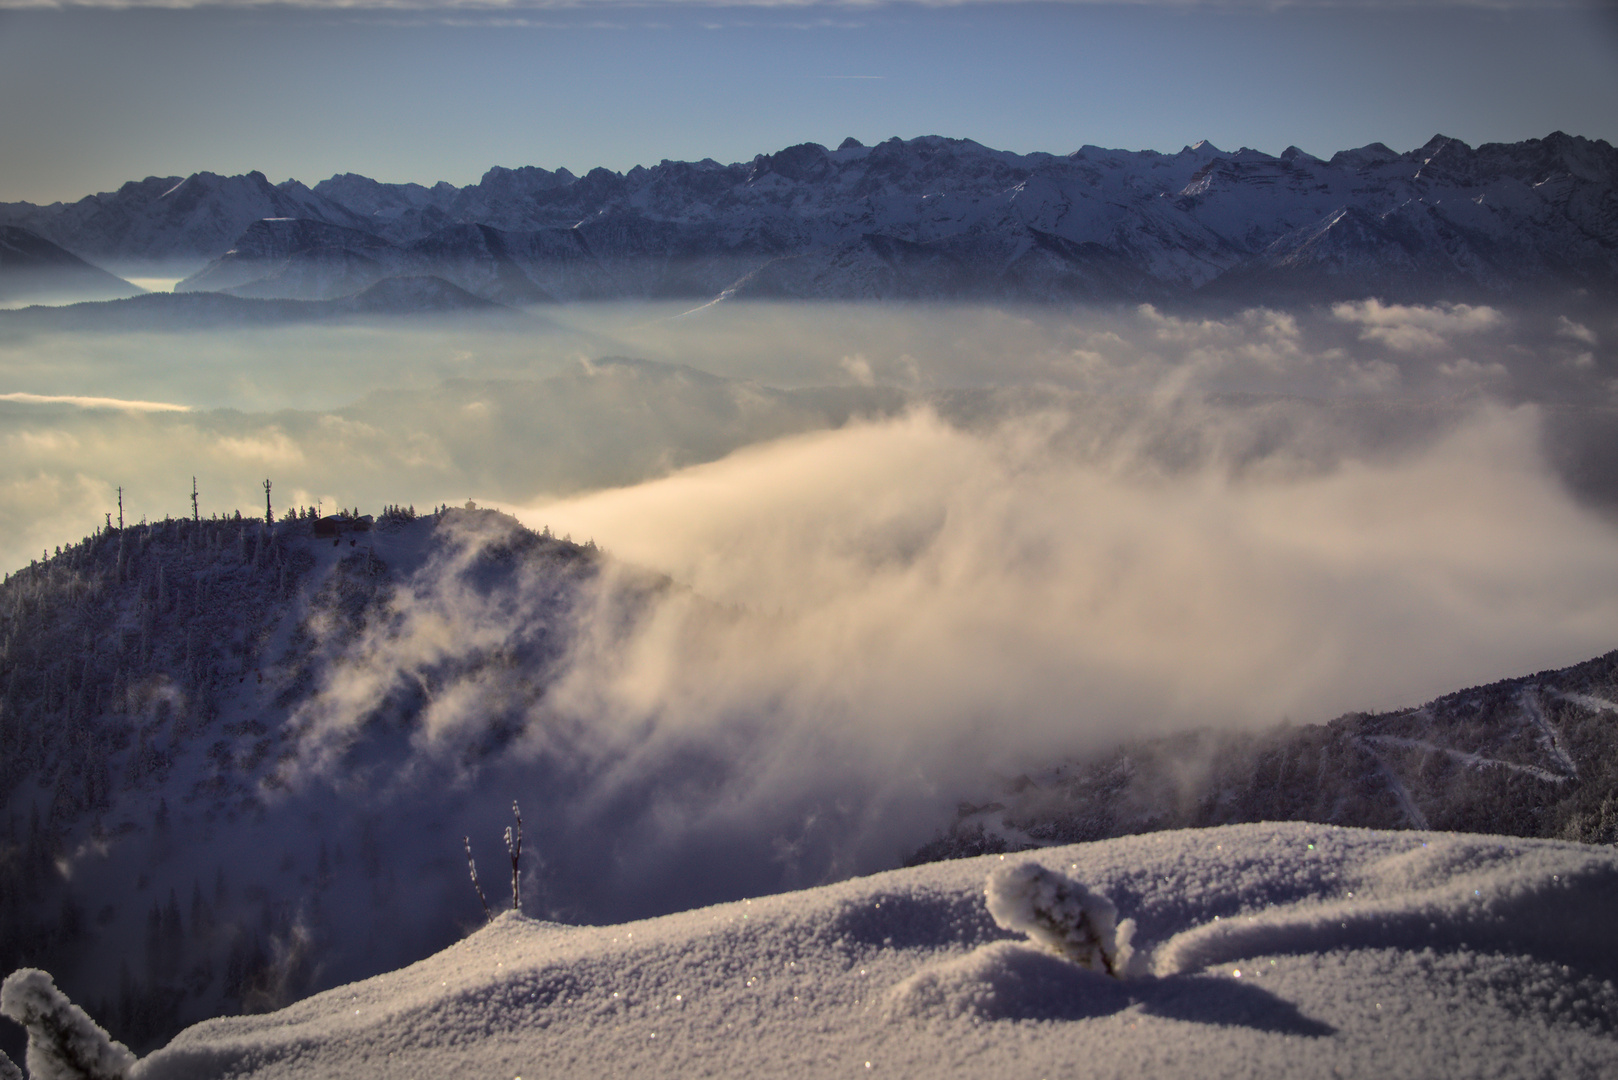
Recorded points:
(161, 222)
(294, 258)
(1531, 756)
(331, 260)
(34, 270)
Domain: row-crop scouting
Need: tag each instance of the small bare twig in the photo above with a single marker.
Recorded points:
(514, 849)
(471, 864)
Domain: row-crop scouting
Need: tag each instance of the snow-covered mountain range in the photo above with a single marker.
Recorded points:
(239, 759)
(928, 218)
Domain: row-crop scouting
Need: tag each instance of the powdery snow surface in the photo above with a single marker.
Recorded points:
(1276, 950)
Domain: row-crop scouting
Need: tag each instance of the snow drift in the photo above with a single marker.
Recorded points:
(1280, 950)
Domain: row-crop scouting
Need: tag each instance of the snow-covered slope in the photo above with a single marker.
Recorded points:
(929, 218)
(1263, 950)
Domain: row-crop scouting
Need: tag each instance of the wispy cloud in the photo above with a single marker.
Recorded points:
(83, 402)
(1416, 328)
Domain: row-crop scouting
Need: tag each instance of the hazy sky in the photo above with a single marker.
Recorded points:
(95, 95)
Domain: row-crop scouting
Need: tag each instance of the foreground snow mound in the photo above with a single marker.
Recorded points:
(63, 1042)
(1462, 892)
(1280, 950)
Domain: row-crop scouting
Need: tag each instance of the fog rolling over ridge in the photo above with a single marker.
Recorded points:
(859, 564)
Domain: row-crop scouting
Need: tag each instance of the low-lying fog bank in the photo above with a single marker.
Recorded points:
(516, 413)
(1175, 518)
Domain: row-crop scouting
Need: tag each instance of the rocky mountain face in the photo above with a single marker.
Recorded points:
(928, 218)
(1532, 756)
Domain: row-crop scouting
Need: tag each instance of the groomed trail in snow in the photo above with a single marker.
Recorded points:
(1262, 950)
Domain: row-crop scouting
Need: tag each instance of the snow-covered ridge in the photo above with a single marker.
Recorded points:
(1268, 950)
(924, 218)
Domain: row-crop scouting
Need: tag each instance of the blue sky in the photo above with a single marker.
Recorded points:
(97, 95)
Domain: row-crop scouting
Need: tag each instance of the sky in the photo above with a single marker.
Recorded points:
(97, 94)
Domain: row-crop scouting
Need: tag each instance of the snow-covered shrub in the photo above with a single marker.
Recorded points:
(63, 1042)
(1061, 915)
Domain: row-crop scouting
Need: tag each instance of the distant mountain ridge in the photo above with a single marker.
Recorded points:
(927, 218)
(383, 299)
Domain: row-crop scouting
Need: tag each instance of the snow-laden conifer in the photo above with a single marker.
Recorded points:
(63, 1042)
(1061, 915)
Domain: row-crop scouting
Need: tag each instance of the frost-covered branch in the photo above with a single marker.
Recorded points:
(63, 1042)
(1061, 915)
(514, 849)
(472, 866)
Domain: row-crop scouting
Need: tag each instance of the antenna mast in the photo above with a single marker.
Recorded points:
(269, 518)
(195, 516)
(120, 508)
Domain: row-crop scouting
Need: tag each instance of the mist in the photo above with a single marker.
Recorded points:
(910, 614)
(861, 626)
(865, 562)
(860, 562)
(521, 410)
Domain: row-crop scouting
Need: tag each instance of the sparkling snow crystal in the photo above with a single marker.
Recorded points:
(63, 1042)
(1061, 915)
